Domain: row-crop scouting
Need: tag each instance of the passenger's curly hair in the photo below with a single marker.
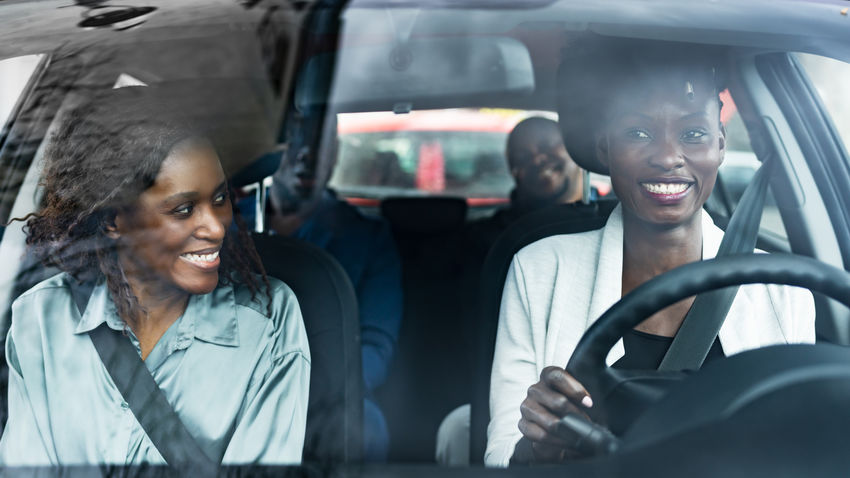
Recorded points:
(104, 154)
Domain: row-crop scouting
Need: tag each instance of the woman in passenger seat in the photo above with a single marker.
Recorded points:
(137, 206)
(650, 116)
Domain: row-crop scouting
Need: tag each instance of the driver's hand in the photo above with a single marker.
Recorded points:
(555, 395)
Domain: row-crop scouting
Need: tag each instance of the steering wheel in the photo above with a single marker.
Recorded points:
(613, 389)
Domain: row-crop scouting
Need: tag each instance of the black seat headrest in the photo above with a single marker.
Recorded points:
(255, 172)
(424, 215)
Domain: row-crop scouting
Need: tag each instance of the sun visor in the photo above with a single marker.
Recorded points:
(417, 69)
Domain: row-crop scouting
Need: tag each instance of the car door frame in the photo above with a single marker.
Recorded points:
(788, 117)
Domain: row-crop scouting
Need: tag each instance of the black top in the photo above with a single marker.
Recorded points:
(646, 351)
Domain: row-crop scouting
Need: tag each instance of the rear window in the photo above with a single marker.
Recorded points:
(452, 152)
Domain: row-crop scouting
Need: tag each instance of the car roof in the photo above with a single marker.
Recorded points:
(38, 26)
(814, 26)
(819, 27)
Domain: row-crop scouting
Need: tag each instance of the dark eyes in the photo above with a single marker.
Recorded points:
(637, 134)
(184, 211)
(695, 135)
(220, 198)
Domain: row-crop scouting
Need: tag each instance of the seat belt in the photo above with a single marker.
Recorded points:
(702, 324)
(144, 397)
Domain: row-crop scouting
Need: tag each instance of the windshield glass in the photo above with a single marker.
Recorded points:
(327, 234)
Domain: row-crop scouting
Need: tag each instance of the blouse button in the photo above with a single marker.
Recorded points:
(125, 405)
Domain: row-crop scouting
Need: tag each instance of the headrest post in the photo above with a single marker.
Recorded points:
(260, 207)
(585, 186)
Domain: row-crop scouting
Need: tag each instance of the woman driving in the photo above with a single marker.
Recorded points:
(649, 116)
(137, 205)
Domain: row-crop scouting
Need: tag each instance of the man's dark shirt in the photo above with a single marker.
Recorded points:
(365, 249)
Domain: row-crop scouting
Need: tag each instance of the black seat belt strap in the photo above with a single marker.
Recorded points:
(144, 397)
(702, 324)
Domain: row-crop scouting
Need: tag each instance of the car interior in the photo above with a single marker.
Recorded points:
(257, 73)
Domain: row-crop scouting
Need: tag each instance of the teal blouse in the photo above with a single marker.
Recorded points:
(237, 378)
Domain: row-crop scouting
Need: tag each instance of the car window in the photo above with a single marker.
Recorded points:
(829, 77)
(16, 73)
(411, 130)
(736, 172)
(454, 152)
(458, 152)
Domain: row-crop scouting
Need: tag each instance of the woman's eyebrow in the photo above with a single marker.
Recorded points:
(179, 197)
(191, 195)
(638, 115)
(695, 115)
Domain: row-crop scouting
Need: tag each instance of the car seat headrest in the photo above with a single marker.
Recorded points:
(424, 215)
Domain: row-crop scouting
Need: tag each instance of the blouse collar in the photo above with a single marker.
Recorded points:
(209, 317)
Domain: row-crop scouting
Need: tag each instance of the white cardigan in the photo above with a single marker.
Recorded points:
(558, 286)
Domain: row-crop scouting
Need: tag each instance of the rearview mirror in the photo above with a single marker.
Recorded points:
(403, 72)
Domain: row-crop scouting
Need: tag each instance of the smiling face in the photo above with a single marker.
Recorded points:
(663, 144)
(171, 238)
(540, 164)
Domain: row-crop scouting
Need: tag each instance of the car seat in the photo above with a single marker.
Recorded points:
(560, 219)
(430, 373)
(329, 308)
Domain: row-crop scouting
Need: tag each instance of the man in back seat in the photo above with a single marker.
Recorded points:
(544, 174)
(365, 249)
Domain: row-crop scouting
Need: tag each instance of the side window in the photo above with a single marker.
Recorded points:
(736, 172)
(15, 74)
(829, 78)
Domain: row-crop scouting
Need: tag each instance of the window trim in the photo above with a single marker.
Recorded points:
(816, 136)
(795, 108)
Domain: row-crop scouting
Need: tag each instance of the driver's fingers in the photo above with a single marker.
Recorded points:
(555, 402)
(532, 428)
(540, 423)
(558, 379)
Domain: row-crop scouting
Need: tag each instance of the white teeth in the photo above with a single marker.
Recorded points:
(201, 257)
(665, 188)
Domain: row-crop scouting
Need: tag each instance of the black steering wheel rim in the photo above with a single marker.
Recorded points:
(587, 362)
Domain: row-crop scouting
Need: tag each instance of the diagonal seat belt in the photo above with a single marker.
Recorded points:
(702, 324)
(146, 400)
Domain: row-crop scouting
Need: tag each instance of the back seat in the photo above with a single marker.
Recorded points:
(431, 372)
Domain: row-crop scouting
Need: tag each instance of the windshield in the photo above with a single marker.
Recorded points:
(325, 234)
